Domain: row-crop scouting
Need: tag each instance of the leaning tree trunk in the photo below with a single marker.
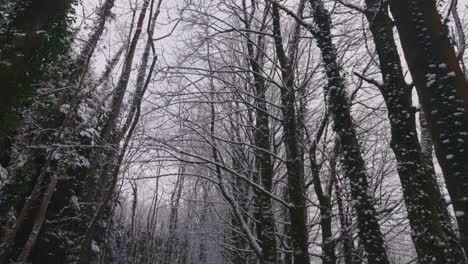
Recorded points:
(104, 14)
(420, 191)
(443, 93)
(109, 139)
(446, 217)
(113, 169)
(353, 162)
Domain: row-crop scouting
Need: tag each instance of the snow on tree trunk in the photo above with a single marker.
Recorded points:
(294, 161)
(420, 190)
(353, 163)
(443, 89)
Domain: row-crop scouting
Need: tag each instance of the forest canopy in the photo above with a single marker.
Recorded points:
(233, 131)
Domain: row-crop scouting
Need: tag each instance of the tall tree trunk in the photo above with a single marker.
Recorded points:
(107, 151)
(265, 226)
(129, 125)
(346, 236)
(104, 14)
(171, 251)
(38, 221)
(203, 247)
(106, 136)
(121, 87)
(420, 190)
(443, 89)
(133, 243)
(324, 198)
(353, 163)
(294, 164)
(84, 256)
(230, 198)
(446, 218)
(287, 256)
(236, 209)
(241, 195)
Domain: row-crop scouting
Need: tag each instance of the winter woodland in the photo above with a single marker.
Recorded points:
(233, 131)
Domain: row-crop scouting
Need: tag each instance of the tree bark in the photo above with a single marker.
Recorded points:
(109, 139)
(104, 14)
(130, 125)
(170, 250)
(324, 198)
(446, 217)
(265, 226)
(346, 236)
(420, 191)
(443, 93)
(294, 164)
(353, 163)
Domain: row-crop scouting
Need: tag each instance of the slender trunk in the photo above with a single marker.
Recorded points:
(236, 210)
(353, 163)
(110, 154)
(104, 14)
(152, 214)
(84, 256)
(203, 248)
(294, 164)
(346, 236)
(264, 211)
(121, 87)
(38, 222)
(419, 187)
(443, 93)
(230, 198)
(170, 251)
(345, 221)
(133, 242)
(106, 136)
(286, 241)
(265, 226)
(110, 66)
(324, 198)
(241, 194)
